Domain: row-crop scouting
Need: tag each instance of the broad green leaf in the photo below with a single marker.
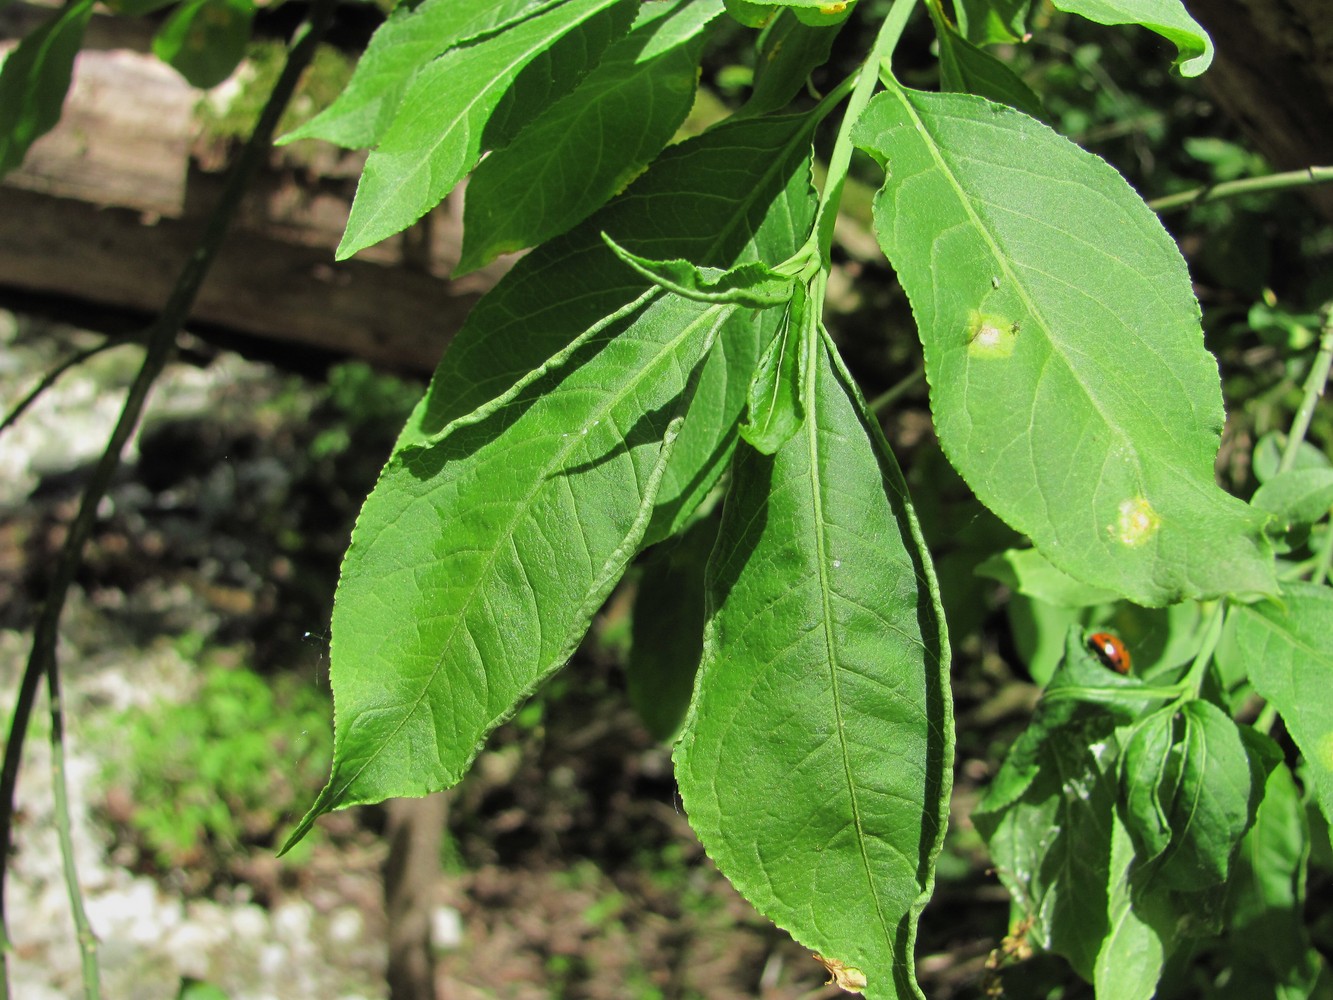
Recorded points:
(967, 69)
(1069, 381)
(204, 40)
(1052, 843)
(1194, 49)
(435, 137)
(755, 285)
(1148, 773)
(789, 52)
(34, 80)
(1129, 962)
(402, 46)
(668, 628)
(1268, 945)
(984, 22)
(1297, 496)
(1029, 572)
(1202, 779)
(1290, 660)
(816, 759)
(477, 564)
(627, 109)
(774, 408)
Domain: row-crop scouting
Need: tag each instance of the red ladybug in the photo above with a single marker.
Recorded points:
(1110, 650)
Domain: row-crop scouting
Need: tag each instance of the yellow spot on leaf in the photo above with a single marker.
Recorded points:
(991, 336)
(833, 8)
(845, 976)
(1136, 522)
(1324, 751)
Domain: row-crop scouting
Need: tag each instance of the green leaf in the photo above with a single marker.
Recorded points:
(627, 109)
(435, 137)
(403, 45)
(984, 22)
(34, 79)
(1290, 661)
(1268, 945)
(1267, 458)
(1297, 496)
(774, 407)
(1069, 381)
(1188, 794)
(477, 564)
(789, 52)
(1052, 843)
(755, 284)
(815, 764)
(1194, 49)
(967, 69)
(205, 40)
(1029, 572)
(1129, 962)
(549, 300)
(667, 630)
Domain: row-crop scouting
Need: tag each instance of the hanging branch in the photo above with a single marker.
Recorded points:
(1246, 185)
(159, 340)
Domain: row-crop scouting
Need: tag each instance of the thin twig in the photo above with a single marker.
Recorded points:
(1315, 383)
(159, 340)
(1247, 185)
(50, 378)
(890, 395)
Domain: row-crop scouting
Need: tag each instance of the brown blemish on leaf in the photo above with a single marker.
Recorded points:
(846, 976)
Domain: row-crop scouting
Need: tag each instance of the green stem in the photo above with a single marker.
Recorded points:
(889, 33)
(159, 341)
(50, 378)
(894, 392)
(1212, 633)
(87, 940)
(1246, 185)
(1325, 558)
(1315, 383)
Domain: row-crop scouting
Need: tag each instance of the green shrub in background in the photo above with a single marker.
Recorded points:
(212, 778)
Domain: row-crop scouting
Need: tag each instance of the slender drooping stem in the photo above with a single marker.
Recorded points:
(1246, 185)
(1315, 383)
(159, 340)
(51, 377)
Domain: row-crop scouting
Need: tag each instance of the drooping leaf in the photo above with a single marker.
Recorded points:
(1166, 17)
(1069, 381)
(815, 761)
(789, 52)
(402, 46)
(1138, 933)
(34, 80)
(774, 408)
(435, 137)
(1297, 496)
(477, 564)
(205, 40)
(1287, 652)
(1051, 843)
(1028, 572)
(754, 284)
(668, 628)
(1189, 794)
(1268, 944)
(984, 22)
(967, 69)
(420, 542)
(627, 109)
